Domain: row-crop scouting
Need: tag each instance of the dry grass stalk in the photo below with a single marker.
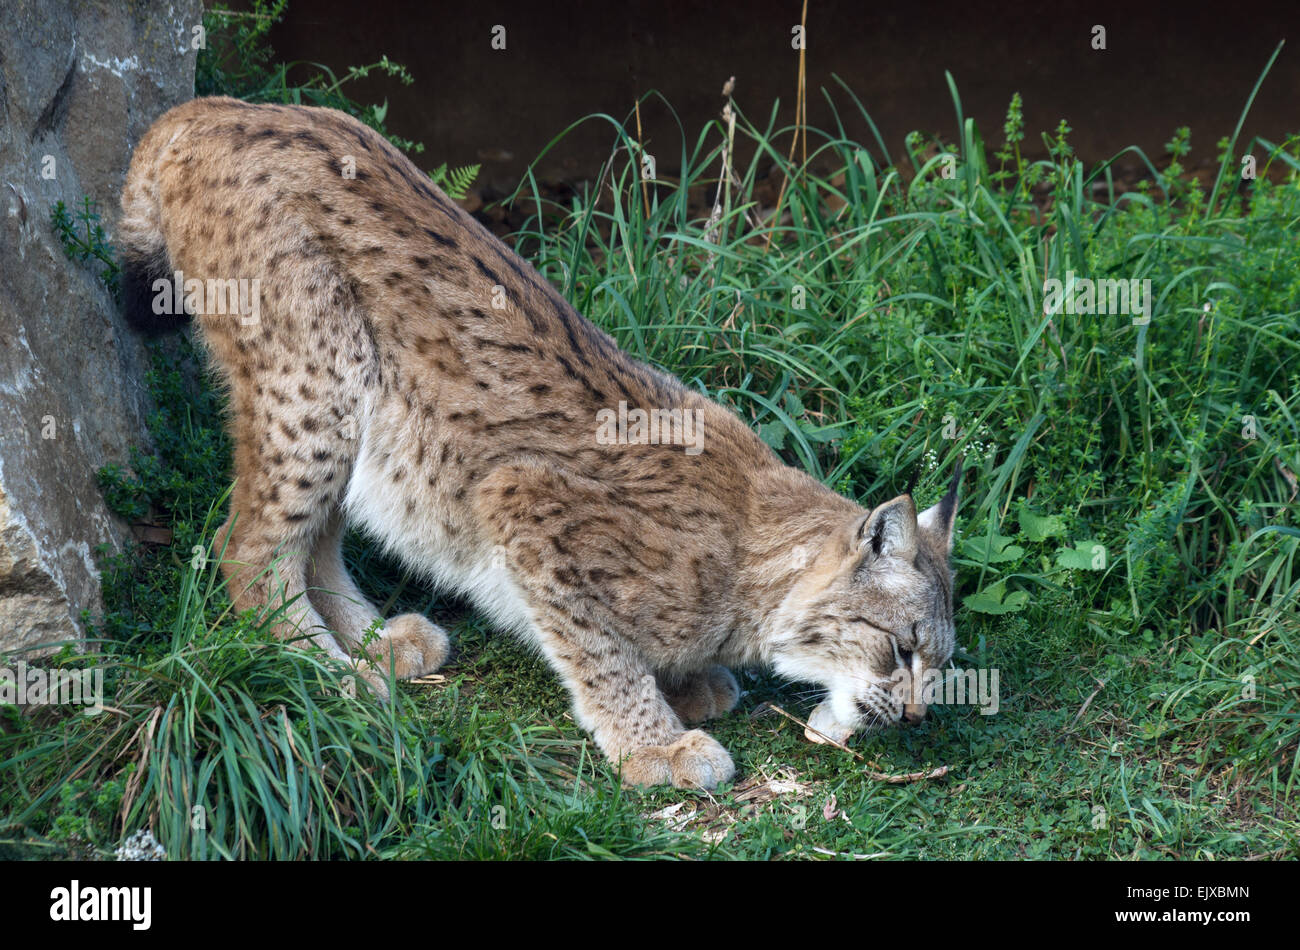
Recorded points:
(829, 740)
(800, 121)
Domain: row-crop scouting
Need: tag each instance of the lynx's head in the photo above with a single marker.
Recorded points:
(872, 614)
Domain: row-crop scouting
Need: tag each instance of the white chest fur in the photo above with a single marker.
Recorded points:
(407, 517)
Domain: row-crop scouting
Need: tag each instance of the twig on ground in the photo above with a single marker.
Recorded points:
(903, 779)
(829, 740)
(1101, 684)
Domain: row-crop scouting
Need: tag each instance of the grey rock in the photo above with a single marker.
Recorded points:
(80, 82)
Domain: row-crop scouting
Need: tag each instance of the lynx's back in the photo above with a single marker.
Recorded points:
(402, 352)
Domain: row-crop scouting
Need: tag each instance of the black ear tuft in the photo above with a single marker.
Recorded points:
(938, 520)
(948, 504)
(916, 476)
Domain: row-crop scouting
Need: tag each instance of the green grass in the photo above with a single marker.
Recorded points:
(1127, 556)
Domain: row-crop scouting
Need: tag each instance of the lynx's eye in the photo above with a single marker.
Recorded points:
(901, 654)
(905, 643)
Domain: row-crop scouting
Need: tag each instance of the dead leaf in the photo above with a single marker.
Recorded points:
(670, 815)
(764, 788)
(831, 809)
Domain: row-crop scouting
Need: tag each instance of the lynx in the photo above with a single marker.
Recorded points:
(406, 373)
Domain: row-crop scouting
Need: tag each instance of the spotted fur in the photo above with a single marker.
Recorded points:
(380, 386)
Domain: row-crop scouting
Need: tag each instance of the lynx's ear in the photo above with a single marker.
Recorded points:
(889, 531)
(938, 520)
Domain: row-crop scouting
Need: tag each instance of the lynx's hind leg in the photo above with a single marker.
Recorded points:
(298, 374)
(411, 643)
(263, 557)
(332, 590)
(265, 569)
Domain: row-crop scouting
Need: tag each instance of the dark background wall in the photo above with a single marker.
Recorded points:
(1165, 65)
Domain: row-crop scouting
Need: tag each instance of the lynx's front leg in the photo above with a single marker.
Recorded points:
(615, 694)
(617, 698)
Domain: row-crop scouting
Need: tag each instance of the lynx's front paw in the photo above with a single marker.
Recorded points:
(694, 760)
(704, 695)
(412, 644)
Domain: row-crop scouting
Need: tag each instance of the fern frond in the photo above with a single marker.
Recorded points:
(456, 182)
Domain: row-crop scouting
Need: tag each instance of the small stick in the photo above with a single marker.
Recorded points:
(838, 745)
(940, 772)
(1086, 703)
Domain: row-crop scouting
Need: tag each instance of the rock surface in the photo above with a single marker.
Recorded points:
(80, 82)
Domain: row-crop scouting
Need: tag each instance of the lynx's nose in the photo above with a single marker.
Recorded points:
(912, 714)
